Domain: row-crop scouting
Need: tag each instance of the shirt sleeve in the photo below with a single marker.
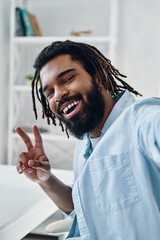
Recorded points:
(149, 135)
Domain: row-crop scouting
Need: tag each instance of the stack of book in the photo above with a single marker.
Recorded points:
(26, 23)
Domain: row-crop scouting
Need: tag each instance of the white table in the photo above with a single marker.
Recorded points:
(23, 204)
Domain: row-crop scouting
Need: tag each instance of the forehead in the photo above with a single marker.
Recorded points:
(59, 64)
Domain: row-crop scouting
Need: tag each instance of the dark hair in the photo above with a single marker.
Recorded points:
(94, 62)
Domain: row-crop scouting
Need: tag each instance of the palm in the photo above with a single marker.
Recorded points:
(37, 154)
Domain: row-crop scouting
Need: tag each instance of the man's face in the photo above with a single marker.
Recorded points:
(73, 95)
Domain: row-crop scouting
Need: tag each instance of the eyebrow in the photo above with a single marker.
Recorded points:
(64, 72)
(59, 76)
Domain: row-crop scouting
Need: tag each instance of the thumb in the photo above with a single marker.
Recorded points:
(44, 165)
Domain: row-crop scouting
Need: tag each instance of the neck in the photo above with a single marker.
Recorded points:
(109, 104)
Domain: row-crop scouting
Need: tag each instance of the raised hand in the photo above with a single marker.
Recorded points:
(33, 163)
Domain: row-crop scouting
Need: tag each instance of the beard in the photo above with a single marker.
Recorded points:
(91, 115)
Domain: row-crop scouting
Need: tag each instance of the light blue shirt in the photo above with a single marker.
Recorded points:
(116, 192)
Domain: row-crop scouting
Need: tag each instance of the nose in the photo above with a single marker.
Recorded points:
(60, 93)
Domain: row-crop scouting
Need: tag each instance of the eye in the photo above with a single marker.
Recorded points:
(50, 93)
(68, 79)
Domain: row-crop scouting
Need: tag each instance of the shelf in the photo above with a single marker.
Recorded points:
(24, 49)
(48, 136)
(41, 40)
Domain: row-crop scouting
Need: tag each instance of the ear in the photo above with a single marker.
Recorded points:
(99, 82)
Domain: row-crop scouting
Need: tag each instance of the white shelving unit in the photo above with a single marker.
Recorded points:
(56, 18)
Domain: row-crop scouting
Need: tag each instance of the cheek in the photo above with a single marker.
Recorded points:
(83, 89)
(85, 94)
(52, 105)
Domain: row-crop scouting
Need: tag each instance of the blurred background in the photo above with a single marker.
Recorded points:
(134, 49)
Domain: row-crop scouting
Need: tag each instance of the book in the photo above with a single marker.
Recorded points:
(27, 23)
(34, 24)
(20, 29)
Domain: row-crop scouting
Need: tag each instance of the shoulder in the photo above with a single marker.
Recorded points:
(145, 107)
(148, 101)
(146, 112)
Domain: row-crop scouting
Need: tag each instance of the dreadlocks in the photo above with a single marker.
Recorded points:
(94, 62)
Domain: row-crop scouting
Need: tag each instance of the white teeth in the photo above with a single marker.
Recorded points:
(70, 105)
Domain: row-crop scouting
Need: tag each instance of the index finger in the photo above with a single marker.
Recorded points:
(24, 137)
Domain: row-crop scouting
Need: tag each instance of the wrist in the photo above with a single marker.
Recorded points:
(46, 180)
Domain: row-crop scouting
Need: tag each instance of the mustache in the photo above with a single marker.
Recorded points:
(67, 99)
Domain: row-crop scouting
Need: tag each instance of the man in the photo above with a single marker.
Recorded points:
(116, 193)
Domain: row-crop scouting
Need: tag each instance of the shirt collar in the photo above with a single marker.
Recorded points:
(124, 100)
(87, 147)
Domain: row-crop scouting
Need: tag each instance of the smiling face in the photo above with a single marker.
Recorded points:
(72, 94)
(63, 80)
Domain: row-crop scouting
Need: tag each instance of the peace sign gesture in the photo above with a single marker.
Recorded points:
(33, 163)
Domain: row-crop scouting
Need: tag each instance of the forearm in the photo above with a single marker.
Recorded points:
(60, 193)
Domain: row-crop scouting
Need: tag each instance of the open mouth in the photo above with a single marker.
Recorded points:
(71, 109)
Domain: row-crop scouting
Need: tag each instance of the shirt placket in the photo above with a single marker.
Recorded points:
(82, 225)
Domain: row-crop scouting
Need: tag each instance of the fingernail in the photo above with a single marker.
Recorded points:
(31, 163)
(20, 170)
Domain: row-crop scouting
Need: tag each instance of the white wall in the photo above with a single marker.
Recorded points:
(4, 76)
(138, 52)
